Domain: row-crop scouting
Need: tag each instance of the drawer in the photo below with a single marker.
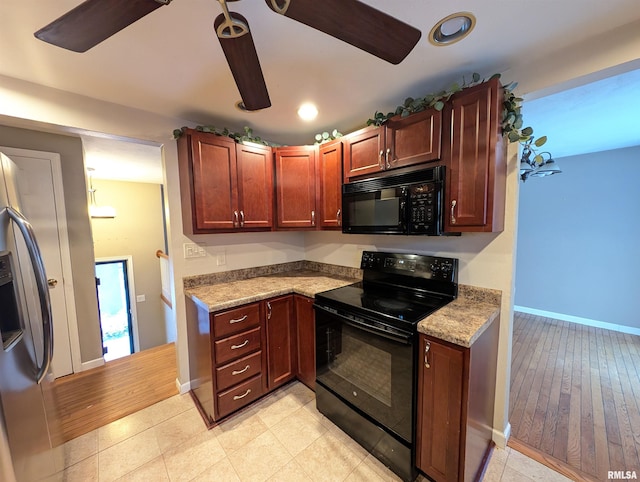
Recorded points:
(236, 346)
(238, 371)
(238, 319)
(239, 396)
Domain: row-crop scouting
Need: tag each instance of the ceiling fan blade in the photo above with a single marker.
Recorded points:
(93, 21)
(354, 22)
(238, 47)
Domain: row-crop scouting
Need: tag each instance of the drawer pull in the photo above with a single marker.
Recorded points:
(238, 397)
(427, 346)
(241, 345)
(238, 372)
(237, 320)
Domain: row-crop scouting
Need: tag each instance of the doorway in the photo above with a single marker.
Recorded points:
(117, 313)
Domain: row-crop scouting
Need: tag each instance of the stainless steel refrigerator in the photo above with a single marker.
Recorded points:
(28, 407)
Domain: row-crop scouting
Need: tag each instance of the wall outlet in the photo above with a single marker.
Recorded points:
(221, 258)
(193, 250)
(141, 298)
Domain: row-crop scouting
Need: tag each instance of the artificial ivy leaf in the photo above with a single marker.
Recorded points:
(476, 77)
(538, 159)
(540, 141)
(514, 136)
(495, 76)
(438, 105)
(527, 131)
(325, 135)
(408, 101)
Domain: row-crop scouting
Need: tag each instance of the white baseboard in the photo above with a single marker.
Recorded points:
(98, 362)
(183, 387)
(576, 319)
(501, 438)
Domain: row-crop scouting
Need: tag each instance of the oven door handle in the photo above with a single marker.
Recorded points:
(404, 338)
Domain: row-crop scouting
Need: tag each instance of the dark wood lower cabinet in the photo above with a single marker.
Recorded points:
(456, 393)
(281, 340)
(306, 340)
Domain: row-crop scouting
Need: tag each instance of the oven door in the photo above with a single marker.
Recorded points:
(368, 369)
(381, 211)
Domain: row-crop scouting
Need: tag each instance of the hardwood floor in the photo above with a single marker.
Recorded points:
(93, 398)
(575, 396)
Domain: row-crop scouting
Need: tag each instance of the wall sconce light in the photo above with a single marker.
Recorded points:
(95, 211)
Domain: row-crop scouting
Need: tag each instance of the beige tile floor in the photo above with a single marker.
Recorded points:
(281, 438)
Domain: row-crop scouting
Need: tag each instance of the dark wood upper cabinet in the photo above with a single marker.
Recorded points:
(281, 340)
(363, 151)
(255, 181)
(401, 142)
(224, 186)
(296, 187)
(330, 184)
(475, 157)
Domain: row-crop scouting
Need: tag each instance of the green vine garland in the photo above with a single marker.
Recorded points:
(512, 120)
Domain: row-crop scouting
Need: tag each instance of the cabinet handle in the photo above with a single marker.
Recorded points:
(241, 345)
(427, 346)
(380, 161)
(339, 217)
(268, 310)
(242, 219)
(453, 206)
(238, 397)
(386, 158)
(238, 372)
(235, 219)
(313, 218)
(237, 320)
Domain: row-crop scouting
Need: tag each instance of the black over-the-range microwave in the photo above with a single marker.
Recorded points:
(409, 203)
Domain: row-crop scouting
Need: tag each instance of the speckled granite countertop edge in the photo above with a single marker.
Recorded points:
(460, 322)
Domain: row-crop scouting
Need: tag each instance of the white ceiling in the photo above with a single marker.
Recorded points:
(171, 63)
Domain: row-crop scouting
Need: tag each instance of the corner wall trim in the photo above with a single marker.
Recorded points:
(501, 438)
(183, 387)
(98, 362)
(576, 319)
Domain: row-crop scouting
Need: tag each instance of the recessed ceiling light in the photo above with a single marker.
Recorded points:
(307, 111)
(452, 28)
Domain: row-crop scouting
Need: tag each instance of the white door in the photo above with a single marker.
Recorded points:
(42, 202)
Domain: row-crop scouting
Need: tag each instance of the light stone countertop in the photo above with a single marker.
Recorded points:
(460, 322)
(223, 296)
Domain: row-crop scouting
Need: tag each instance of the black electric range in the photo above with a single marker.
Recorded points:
(366, 350)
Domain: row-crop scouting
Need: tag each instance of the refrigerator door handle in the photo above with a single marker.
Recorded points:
(43, 292)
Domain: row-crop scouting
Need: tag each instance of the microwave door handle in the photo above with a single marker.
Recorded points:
(43, 292)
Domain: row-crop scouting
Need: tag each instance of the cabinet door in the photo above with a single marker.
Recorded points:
(255, 186)
(363, 152)
(306, 340)
(330, 180)
(475, 160)
(440, 381)
(295, 187)
(414, 139)
(281, 340)
(214, 178)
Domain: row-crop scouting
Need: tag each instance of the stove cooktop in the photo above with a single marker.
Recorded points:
(406, 307)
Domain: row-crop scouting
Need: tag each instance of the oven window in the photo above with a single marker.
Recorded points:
(370, 372)
(365, 366)
(380, 208)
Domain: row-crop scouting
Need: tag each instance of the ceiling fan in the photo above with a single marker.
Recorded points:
(351, 21)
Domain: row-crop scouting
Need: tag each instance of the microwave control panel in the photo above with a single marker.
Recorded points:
(424, 208)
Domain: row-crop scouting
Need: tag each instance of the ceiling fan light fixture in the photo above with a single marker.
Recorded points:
(307, 111)
(452, 28)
